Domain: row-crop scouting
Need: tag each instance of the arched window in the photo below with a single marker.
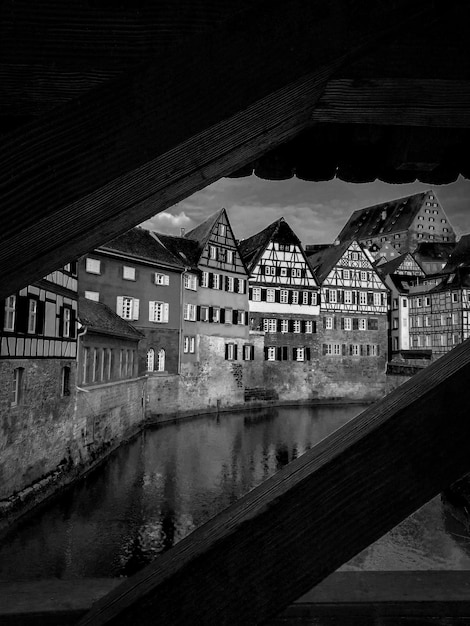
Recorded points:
(150, 360)
(161, 360)
(66, 381)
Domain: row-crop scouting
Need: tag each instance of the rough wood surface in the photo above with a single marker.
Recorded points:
(74, 180)
(343, 595)
(285, 536)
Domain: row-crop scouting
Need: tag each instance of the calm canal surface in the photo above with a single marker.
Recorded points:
(159, 488)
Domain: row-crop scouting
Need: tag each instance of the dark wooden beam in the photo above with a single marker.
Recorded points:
(285, 536)
(131, 148)
(373, 597)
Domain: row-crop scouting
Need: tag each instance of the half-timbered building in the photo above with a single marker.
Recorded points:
(283, 293)
(353, 308)
(139, 279)
(38, 348)
(399, 275)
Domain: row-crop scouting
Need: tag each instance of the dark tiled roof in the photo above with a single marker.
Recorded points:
(434, 251)
(368, 222)
(252, 248)
(323, 261)
(202, 232)
(187, 250)
(100, 318)
(140, 243)
(392, 266)
(460, 255)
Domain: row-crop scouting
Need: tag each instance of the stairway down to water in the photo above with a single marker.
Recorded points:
(257, 394)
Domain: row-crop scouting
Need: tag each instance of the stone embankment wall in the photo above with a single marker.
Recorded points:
(48, 444)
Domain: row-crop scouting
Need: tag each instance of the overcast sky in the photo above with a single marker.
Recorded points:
(315, 211)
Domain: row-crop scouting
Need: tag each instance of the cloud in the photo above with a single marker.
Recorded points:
(169, 223)
(315, 211)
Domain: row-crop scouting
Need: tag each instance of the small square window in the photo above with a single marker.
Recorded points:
(93, 266)
(128, 273)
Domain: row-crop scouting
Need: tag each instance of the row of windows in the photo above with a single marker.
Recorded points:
(93, 266)
(223, 255)
(158, 364)
(27, 315)
(349, 274)
(443, 319)
(129, 309)
(428, 341)
(214, 314)
(212, 280)
(17, 395)
(103, 364)
(283, 271)
(350, 323)
(274, 325)
(283, 296)
(281, 353)
(352, 349)
(418, 302)
(231, 352)
(364, 298)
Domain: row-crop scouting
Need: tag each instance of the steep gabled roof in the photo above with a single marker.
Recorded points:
(141, 244)
(369, 222)
(203, 231)
(323, 261)
(460, 255)
(186, 250)
(99, 318)
(392, 266)
(252, 248)
(434, 250)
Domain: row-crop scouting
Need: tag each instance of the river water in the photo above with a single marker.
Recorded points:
(154, 491)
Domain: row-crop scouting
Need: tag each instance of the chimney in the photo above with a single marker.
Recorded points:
(182, 231)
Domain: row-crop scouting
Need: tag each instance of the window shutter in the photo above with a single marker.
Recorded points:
(289, 297)
(277, 296)
(211, 280)
(119, 305)
(302, 326)
(151, 311)
(222, 316)
(340, 296)
(241, 285)
(350, 349)
(211, 314)
(324, 348)
(291, 326)
(226, 283)
(335, 322)
(247, 321)
(314, 327)
(135, 309)
(166, 311)
(294, 354)
(261, 269)
(370, 298)
(303, 273)
(307, 354)
(252, 353)
(61, 322)
(226, 351)
(327, 295)
(301, 297)
(318, 297)
(263, 295)
(378, 350)
(198, 313)
(40, 315)
(362, 349)
(278, 271)
(278, 325)
(285, 353)
(250, 293)
(343, 349)
(234, 316)
(324, 322)
(355, 323)
(279, 354)
(342, 323)
(235, 352)
(73, 322)
(265, 354)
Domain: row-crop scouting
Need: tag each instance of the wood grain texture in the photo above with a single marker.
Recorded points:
(343, 595)
(72, 181)
(284, 537)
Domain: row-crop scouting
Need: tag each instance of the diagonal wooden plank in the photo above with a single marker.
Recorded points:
(73, 180)
(284, 537)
